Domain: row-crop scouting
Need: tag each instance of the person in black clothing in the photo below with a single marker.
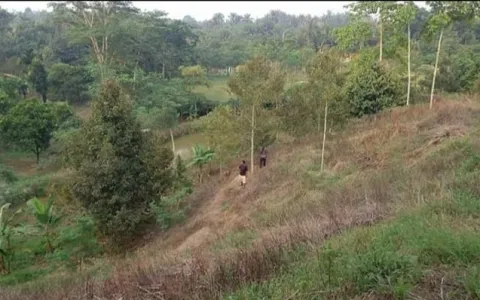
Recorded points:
(263, 157)
(243, 173)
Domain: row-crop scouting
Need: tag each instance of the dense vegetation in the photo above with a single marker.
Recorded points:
(107, 181)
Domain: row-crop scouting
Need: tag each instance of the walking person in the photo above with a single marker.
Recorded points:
(243, 173)
(263, 157)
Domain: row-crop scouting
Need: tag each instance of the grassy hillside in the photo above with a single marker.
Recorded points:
(394, 216)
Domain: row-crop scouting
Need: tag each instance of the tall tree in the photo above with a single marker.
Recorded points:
(255, 83)
(95, 22)
(194, 76)
(39, 79)
(29, 125)
(403, 16)
(354, 35)
(444, 13)
(326, 81)
(381, 8)
(120, 170)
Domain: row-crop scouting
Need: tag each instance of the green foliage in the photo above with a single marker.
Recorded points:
(370, 88)
(45, 217)
(23, 189)
(201, 156)
(39, 79)
(6, 250)
(29, 125)
(387, 259)
(256, 82)
(180, 173)
(7, 175)
(235, 240)
(354, 36)
(459, 71)
(171, 209)
(222, 130)
(303, 110)
(120, 170)
(75, 243)
(6, 103)
(69, 83)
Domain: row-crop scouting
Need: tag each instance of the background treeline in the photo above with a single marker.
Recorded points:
(143, 79)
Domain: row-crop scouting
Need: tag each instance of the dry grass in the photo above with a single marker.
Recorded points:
(367, 179)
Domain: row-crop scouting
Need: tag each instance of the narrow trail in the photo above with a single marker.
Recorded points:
(213, 217)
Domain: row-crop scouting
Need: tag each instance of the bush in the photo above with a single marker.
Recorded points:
(120, 170)
(370, 88)
(7, 175)
(20, 191)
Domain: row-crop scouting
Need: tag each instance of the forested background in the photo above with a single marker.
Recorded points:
(95, 95)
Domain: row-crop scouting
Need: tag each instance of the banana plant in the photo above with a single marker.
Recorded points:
(45, 218)
(201, 156)
(5, 234)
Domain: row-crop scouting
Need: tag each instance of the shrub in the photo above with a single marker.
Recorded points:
(370, 88)
(120, 170)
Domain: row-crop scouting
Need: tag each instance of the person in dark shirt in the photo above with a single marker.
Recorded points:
(263, 157)
(243, 173)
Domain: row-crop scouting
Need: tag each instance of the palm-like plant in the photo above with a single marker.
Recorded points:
(5, 234)
(201, 156)
(45, 218)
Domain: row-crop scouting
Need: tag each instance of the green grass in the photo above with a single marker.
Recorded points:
(237, 239)
(72, 243)
(398, 258)
(388, 259)
(218, 90)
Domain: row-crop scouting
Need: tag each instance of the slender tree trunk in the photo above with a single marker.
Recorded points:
(381, 41)
(173, 141)
(3, 265)
(163, 70)
(324, 135)
(135, 76)
(319, 119)
(436, 66)
(252, 141)
(409, 66)
(44, 97)
(49, 246)
(37, 153)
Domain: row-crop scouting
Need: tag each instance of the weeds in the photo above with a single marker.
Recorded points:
(426, 195)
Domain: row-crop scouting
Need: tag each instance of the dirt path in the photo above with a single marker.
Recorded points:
(213, 216)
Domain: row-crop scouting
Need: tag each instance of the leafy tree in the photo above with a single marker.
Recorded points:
(5, 103)
(223, 133)
(95, 22)
(29, 125)
(69, 83)
(256, 83)
(370, 87)
(46, 219)
(39, 78)
(201, 156)
(444, 14)
(120, 170)
(6, 249)
(354, 35)
(403, 16)
(326, 82)
(194, 76)
(382, 8)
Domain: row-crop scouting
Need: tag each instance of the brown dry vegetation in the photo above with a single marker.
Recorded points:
(376, 167)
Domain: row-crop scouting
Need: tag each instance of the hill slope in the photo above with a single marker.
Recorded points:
(410, 174)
